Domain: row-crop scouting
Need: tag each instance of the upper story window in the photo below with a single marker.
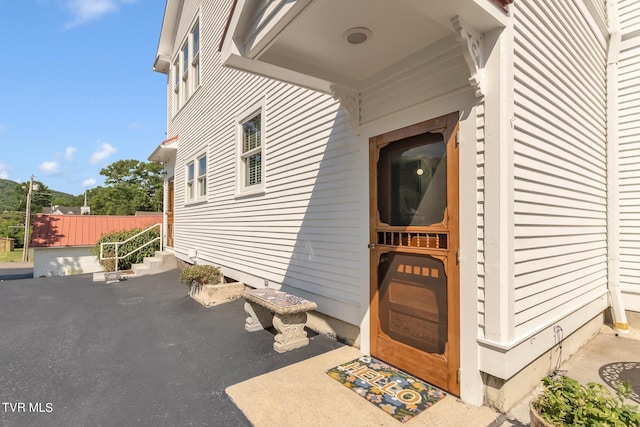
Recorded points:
(195, 62)
(186, 68)
(251, 151)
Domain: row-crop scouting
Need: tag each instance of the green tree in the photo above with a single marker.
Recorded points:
(130, 186)
(40, 196)
(12, 225)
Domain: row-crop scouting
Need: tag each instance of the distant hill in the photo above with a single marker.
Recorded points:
(8, 202)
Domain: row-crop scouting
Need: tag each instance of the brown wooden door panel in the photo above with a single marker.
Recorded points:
(414, 231)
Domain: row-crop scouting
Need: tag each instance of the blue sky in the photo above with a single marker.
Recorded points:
(78, 90)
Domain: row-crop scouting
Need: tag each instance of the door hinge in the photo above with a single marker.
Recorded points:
(371, 245)
(458, 375)
(457, 139)
(458, 256)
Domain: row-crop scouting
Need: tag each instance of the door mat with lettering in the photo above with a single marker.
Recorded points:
(395, 392)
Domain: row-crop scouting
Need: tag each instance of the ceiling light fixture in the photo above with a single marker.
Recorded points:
(357, 35)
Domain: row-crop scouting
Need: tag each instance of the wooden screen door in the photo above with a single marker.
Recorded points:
(170, 207)
(414, 243)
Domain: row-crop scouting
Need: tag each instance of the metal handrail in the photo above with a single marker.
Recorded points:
(117, 257)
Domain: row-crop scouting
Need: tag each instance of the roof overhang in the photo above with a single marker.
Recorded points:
(165, 151)
(310, 42)
(170, 22)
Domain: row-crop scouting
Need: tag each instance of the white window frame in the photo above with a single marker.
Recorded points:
(176, 85)
(186, 67)
(201, 177)
(189, 191)
(242, 157)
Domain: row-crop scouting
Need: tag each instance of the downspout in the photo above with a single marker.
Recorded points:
(613, 164)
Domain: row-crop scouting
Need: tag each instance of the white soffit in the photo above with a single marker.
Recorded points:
(307, 37)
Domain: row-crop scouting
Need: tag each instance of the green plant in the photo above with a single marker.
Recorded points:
(121, 236)
(200, 274)
(566, 402)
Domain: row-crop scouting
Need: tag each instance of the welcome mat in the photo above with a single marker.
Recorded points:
(395, 392)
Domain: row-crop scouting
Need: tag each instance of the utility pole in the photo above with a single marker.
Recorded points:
(27, 223)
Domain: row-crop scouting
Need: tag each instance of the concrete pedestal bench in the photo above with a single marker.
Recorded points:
(287, 313)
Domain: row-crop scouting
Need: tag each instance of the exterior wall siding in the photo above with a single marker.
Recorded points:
(629, 12)
(303, 232)
(629, 181)
(559, 163)
(435, 72)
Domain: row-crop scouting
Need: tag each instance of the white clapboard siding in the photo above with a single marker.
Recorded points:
(480, 141)
(559, 162)
(305, 231)
(629, 152)
(629, 13)
(437, 71)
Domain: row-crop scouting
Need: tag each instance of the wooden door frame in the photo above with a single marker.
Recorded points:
(448, 123)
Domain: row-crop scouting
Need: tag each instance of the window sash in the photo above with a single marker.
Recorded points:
(252, 150)
(190, 176)
(202, 176)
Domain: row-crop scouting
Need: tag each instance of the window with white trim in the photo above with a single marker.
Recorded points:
(176, 85)
(186, 68)
(190, 176)
(251, 167)
(202, 176)
(195, 55)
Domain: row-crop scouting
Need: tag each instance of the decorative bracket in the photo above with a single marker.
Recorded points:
(350, 102)
(472, 46)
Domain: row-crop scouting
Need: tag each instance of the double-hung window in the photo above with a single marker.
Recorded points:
(186, 68)
(251, 151)
(195, 55)
(196, 190)
(202, 176)
(176, 85)
(190, 184)
(185, 72)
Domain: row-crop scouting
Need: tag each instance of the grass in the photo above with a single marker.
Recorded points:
(14, 256)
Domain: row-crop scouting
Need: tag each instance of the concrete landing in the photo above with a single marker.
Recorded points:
(304, 395)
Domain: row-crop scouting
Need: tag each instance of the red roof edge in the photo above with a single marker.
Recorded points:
(227, 24)
(166, 141)
(503, 3)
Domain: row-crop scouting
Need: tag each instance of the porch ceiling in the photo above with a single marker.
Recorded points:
(308, 37)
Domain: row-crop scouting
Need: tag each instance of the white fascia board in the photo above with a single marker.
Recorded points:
(243, 56)
(164, 152)
(261, 33)
(505, 360)
(274, 72)
(167, 35)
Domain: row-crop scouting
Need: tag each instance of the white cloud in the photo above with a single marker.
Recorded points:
(102, 153)
(69, 152)
(88, 183)
(136, 125)
(4, 171)
(84, 11)
(50, 167)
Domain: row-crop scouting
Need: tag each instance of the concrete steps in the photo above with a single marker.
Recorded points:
(159, 263)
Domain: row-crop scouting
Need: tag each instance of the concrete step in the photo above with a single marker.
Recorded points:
(160, 262)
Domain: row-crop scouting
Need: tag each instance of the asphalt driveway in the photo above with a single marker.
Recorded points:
(137, 353)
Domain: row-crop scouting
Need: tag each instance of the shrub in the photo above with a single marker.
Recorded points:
(566, 402)
(201, 274)
(120, 236)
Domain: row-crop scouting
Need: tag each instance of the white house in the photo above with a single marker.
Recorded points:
(453, 182)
